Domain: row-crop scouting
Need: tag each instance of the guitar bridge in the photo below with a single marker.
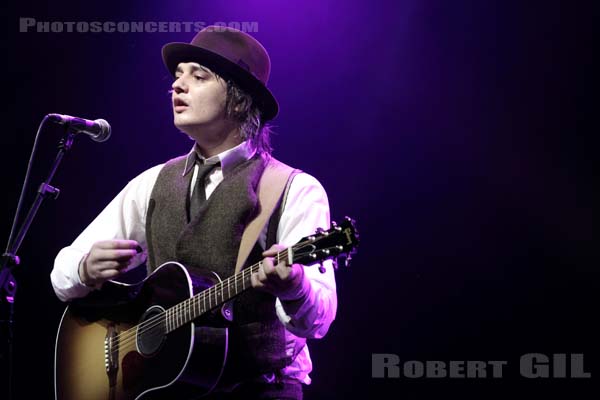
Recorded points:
(111, 353)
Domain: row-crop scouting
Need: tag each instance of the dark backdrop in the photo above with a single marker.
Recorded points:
(457, 134)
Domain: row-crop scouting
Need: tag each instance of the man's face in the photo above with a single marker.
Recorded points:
(198, 98)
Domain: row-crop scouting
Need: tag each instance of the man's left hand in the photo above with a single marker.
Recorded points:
(281, 280)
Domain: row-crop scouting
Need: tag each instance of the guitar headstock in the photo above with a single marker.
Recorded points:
(340, 241)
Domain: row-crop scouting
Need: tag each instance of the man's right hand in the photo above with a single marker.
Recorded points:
(106, 260)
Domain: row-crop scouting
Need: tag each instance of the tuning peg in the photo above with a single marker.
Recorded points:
(322, 232)
(335, 264)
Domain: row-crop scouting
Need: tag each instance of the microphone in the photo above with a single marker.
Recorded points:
(98, 130)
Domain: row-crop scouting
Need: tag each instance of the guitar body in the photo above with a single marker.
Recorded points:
(112, 345)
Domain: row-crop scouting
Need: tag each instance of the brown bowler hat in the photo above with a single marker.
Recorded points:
(233, 55)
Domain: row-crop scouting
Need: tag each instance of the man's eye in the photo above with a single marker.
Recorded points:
(199, 77)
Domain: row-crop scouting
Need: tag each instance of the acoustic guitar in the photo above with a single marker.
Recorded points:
(134, 341)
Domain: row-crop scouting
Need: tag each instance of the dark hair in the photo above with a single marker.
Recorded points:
(240, 108)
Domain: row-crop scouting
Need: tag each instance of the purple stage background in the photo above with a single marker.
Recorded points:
(456, 133)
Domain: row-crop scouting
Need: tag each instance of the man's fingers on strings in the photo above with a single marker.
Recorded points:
(261, 274)
(273, 250)
(267, 266)
(255, 281)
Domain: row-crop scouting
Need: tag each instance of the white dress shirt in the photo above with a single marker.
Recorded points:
(305, 210)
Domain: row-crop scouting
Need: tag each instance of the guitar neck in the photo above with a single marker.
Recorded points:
(205, 301)
(338, 240)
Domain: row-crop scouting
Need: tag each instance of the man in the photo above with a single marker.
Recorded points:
(194, 208)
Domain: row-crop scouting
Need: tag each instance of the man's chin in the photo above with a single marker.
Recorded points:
(184, 124)
(188, 128)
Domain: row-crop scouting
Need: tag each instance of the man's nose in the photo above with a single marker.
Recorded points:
(179, 86)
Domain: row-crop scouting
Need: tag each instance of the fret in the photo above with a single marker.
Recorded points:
(172, 318)
(180, 315)
(167, 327)
(175, 317)
(194, 307)
(186, 311)
(166, 316)
(179, 322)
(181, 305)
(229, 287)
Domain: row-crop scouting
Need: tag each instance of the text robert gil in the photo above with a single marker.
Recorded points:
(531, 365)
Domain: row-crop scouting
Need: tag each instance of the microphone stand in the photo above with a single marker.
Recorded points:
(8, 284)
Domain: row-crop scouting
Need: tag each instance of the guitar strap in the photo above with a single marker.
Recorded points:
(273, 186)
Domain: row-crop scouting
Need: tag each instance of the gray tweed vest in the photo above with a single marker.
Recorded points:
(210, 242)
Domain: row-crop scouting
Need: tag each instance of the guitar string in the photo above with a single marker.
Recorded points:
(129, 336)
(185, 306)
(179, 311)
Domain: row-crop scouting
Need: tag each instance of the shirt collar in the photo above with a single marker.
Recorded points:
(229, 159)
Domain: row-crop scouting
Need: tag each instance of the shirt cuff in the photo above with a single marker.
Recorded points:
(79, 267)
(302, 300)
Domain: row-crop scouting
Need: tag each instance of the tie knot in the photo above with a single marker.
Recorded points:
(204, 168)
(202, 162)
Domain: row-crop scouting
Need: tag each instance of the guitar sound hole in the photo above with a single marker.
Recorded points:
(151, 332)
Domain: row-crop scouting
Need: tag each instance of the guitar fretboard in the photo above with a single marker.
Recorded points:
(208, 299)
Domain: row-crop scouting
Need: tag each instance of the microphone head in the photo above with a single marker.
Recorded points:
(58, 118)
(104, 133)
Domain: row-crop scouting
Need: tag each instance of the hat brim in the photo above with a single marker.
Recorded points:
(175, 53)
